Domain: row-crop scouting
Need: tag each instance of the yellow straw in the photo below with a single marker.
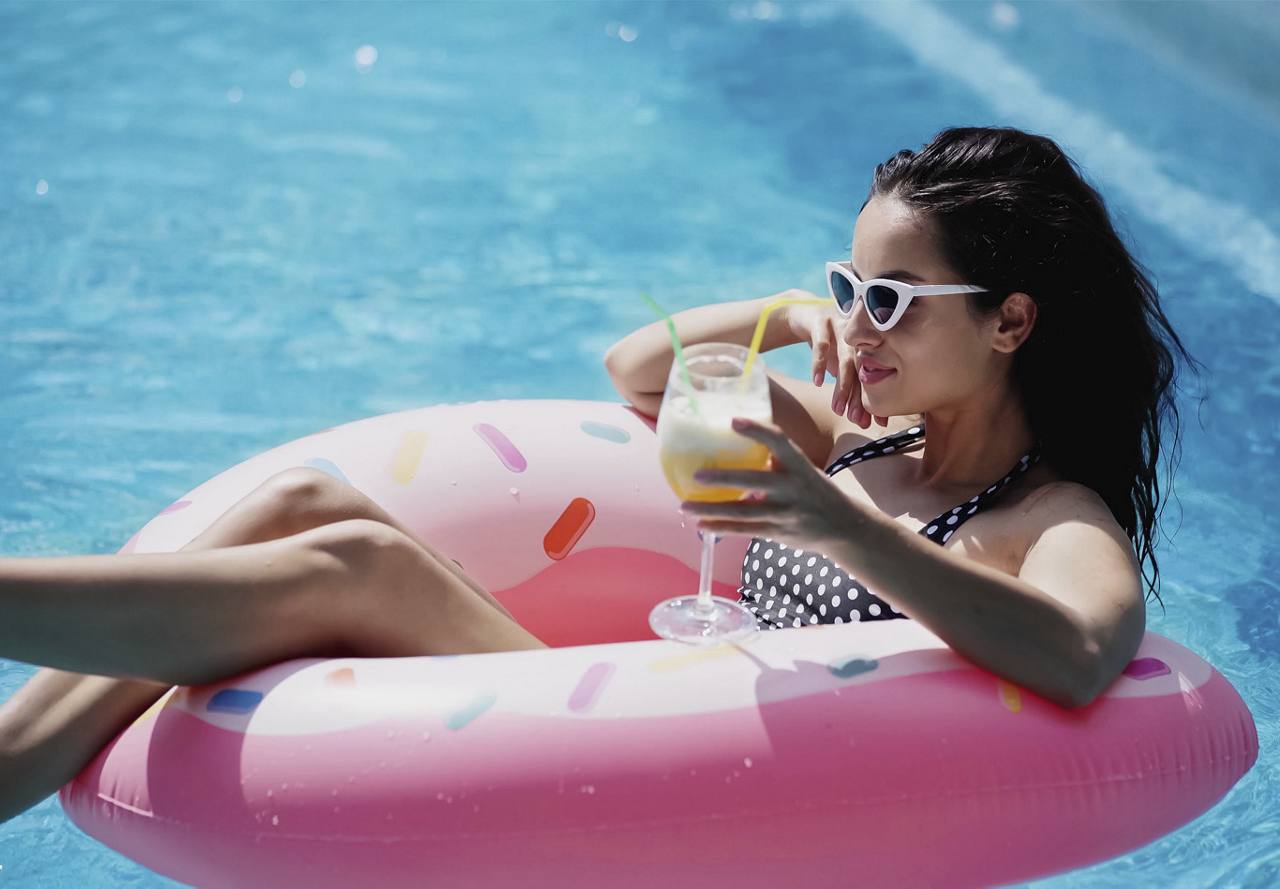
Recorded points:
(758, 337)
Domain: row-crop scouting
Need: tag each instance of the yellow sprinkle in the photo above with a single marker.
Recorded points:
(1010, 696)
(681, 661)
(404, 466)
(155, 708)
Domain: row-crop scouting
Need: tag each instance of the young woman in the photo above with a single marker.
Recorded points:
(988, 300)
(991, 318)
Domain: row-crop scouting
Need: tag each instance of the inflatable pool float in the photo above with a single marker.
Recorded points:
(830, 755)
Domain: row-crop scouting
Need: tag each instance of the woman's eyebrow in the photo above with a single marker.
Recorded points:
(895, 274)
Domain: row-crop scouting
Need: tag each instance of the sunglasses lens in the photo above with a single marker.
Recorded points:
(881, 302)
(842, 290)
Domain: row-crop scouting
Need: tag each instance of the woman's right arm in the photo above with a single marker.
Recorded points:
(639, 363)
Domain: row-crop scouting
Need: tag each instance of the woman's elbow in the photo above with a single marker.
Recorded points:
(618, 364)
(1093, 675)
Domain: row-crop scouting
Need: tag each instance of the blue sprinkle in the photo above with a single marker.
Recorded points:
(607, 432)
(327, 467)
(234, 700)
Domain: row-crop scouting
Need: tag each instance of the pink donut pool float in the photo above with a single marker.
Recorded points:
(830, 755)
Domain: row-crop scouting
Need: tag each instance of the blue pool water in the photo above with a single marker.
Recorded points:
(219, 231)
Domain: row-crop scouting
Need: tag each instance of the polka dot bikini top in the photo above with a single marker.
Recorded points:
(785, 587)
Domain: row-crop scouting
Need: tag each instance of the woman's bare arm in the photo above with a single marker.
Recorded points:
(639, 363)
(1064, 627)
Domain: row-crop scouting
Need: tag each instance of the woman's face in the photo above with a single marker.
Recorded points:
(939, 354)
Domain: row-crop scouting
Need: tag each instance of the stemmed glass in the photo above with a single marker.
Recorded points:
(694, 432)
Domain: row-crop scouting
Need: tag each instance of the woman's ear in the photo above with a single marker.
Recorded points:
(1014, 323)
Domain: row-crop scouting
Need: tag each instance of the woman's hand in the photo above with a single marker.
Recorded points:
(791, 501)
(819, 327)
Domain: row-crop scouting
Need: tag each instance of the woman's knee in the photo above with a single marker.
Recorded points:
(367, 552)
(376, 577)
(304, 496)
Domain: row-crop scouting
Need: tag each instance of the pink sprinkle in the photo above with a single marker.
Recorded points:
(130, 545)
(175, 506)
(507, 452)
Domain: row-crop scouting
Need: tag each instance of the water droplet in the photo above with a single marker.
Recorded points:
(275, 820)
(235, 95)
(298, 78)
(515, 492)
(426, 736)
(746, 761)
(42, 187)
(366, 57)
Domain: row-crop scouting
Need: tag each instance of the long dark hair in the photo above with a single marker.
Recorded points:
(1097, 375)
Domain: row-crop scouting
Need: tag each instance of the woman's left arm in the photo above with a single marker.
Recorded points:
(1064, 628)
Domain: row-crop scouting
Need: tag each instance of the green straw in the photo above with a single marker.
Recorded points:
(676, 347)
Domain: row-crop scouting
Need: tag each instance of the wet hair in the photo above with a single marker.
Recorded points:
(1013, 213)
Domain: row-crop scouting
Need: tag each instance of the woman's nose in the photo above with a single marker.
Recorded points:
(858, 329)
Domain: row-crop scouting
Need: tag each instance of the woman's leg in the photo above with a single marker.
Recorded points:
(52, 726)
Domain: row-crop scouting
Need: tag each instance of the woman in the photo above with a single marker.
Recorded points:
(1007, 318)
(1041, 371)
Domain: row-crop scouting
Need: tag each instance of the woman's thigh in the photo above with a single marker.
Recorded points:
(302, 498)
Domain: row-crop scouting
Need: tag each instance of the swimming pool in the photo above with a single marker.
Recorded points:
(227, 226)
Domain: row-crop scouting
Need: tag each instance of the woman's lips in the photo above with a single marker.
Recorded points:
(870, 376)
(871, 372)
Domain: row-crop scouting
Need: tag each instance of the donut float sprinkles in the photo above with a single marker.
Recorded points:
(831, 755)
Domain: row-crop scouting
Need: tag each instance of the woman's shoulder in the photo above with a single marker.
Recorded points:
(1049, 501)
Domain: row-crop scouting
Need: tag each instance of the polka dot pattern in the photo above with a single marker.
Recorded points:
(829, 594)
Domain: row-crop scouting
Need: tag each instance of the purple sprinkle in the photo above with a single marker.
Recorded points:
(589, 686)
(1147, 668)
(507, 452)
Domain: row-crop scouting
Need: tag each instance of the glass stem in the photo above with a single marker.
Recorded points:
(705, 605)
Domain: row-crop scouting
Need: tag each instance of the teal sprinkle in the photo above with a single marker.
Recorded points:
(477, 706)
(853, 667)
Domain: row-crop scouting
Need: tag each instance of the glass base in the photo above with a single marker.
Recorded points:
(680, 619)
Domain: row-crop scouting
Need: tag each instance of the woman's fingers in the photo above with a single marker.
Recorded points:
(734, 509)
(746, 479)
(822, 349)
(854, 409)
(833, 354)
(846, 385)
(746, 529)
(783, 448)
